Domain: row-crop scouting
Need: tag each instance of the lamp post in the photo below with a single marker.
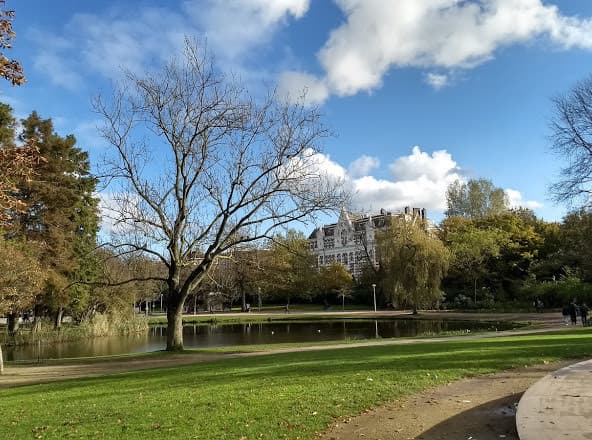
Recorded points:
(374, 294)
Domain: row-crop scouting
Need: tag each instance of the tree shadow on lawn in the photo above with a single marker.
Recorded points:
(490, 421)
(477, 356)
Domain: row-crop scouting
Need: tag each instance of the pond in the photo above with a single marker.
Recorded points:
(224, 335)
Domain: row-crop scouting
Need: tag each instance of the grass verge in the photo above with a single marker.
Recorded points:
(288, 396)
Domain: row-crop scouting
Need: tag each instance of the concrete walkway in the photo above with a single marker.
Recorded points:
(559, 406)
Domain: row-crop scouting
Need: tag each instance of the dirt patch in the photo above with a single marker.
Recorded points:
(479, 408)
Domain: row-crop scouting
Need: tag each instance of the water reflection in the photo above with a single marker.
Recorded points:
(220, 335)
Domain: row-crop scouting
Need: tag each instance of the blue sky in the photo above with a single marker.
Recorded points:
(418, 92)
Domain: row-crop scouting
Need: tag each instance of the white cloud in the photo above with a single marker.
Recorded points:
(362, 166)
(437, 166)
(233, 27)
(295, 86)
(515, 200)
(323, 165)
(107, 42)
(437, 81)
(108, 213)
(445, 34)
(419, 179)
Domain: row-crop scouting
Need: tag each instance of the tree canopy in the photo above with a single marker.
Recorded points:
(10, 69)
(414, 263)
(231, 169)
(474, 199)
(572, 141)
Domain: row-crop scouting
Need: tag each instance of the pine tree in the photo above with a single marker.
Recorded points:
(62, 215)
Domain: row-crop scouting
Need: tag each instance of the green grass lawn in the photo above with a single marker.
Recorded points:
(269, 397)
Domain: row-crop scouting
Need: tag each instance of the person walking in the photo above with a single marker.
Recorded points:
(573, 312)
(584, 314)
(565, 313)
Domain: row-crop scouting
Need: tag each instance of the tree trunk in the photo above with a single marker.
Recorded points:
(37, 319)
(259, 303)
(12, 323)
(1, 362)
(174, 325)
(58, 319)
(475, 290)
(415, 312)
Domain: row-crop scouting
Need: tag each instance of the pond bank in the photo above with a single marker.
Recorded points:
(544, 319)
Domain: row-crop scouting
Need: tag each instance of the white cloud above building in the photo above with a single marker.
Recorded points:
(419, 179)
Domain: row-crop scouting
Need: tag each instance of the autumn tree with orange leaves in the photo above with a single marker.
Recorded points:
(11, 70)
(16, 163)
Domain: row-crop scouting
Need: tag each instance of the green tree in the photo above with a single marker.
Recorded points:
(290, 268)
(474, 199)
(414, 262)
(576, 242)
(245, 270)
(7, 126)
(61, 215)
(519, 243)
(335, 279)
(472, 250)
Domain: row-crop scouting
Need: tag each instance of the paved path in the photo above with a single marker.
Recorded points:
(479, 408)
(559, 406)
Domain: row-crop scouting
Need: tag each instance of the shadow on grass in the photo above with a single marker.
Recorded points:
(473, 356)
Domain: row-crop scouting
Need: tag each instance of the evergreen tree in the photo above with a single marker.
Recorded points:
(62, 215)
(7, 126)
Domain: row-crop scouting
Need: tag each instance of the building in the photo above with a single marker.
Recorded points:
(352, 240)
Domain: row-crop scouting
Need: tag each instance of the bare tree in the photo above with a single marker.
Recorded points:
(572, 140)
(201, 167)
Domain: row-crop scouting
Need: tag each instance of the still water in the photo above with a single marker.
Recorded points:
(223, 335)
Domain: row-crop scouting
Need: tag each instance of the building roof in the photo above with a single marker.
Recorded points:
(359, 221)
